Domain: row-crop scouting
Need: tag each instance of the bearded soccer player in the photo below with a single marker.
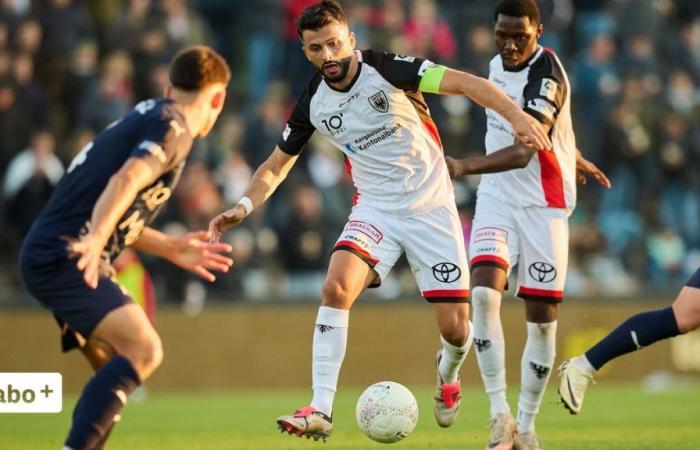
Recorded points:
(110, 194)
(521, 219)
(370, 105)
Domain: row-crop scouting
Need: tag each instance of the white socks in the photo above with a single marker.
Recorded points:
(490, 346)
(452, 357)
(536, 367)
(330, 340)
(582, 363)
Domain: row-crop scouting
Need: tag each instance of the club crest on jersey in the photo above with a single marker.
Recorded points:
(379, 101)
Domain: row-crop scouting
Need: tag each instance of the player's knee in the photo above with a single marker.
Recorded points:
(457, 334)
(336, 294)
(146, 354)
(486, 300)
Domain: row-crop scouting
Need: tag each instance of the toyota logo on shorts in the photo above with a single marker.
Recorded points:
(446, 272)
(542, 272)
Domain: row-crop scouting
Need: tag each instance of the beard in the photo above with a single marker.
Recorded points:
(344, 66)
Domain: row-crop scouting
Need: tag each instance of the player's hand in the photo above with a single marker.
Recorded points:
(88, 249)
(531, 132)
(194, 252)
(225, 221)
(455, 167)
(585, 168)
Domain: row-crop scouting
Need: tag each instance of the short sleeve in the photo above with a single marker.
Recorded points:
(299, 128)
(544, 98)
(163, 142)
(403, 72)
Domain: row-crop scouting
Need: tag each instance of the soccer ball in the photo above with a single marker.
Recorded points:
(386, 412)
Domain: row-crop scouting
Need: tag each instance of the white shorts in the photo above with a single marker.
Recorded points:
(535, 239)
(433, 242)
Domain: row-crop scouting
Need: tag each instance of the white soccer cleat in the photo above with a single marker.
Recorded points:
(527, 441)
(573, 382)
(447, 398)
(306, 421)
(503, 429)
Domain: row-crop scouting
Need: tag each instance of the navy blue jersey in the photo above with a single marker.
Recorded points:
(155, 130)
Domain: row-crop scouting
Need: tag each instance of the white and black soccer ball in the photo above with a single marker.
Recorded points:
(387, 412)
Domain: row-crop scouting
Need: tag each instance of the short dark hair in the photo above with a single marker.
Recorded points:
(518, 8)
(319, 15)
(197, 67)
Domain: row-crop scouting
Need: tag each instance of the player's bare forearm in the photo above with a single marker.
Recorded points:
(515, 156)
(155, 242)
(269, 176)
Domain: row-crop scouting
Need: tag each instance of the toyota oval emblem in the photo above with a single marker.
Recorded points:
(446, 272)
(542, 272)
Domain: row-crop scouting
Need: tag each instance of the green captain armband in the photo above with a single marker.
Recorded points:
(432, 77)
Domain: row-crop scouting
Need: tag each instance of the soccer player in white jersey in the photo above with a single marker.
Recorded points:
(521, 219)
(370, 106)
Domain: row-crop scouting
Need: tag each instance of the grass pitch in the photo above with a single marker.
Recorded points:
(614, 417)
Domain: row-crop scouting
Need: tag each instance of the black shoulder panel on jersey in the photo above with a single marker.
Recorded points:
(546, 88)
(401, 71)
(299, 128)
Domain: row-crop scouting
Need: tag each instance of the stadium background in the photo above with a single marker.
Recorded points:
(70, 67)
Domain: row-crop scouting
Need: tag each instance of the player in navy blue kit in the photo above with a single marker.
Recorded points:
(637, 332)
(110, 194)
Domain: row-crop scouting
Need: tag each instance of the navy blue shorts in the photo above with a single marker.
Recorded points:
(694, 281)
(59, 286)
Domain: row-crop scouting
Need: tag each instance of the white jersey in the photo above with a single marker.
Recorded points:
(542, 89)
(382, 125)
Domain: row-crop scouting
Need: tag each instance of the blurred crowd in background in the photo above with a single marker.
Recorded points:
(70, 67)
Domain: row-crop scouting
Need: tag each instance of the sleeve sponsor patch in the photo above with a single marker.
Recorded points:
(286, 132)
(548, 89)
(155, 150)
(427, 64)
(543, 107)
(405, 58)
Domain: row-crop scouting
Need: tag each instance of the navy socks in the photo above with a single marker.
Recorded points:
(100, 403)
(636, 332)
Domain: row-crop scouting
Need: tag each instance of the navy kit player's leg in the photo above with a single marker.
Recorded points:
(637, 332)
(138, 352)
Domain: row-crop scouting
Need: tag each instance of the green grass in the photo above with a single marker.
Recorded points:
(615, 417)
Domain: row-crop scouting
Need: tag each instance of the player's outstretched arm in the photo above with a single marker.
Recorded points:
(515, 156)
(192, 252)
(585, 168)
(118, 195)
(265, 180)
(527, 129)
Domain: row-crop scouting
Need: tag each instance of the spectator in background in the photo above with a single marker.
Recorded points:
(64, 24)
(305, 243)
(126, 31)
(15, 121)
(82, 75)
(28, 37)
(111, 95)
(29, 91)
(30, 180)
(184, 25)
(429, 35)
(264, 47)
(596, 84)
